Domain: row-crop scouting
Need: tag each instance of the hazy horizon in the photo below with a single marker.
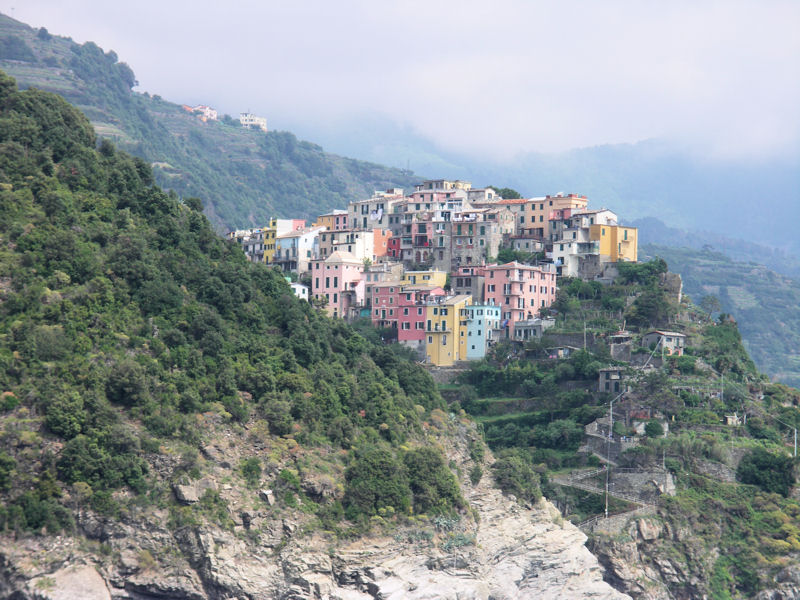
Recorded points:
(721, 80)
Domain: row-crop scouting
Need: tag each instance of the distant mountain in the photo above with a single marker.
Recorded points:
(654, 231)
(765, 304)
(242, 176)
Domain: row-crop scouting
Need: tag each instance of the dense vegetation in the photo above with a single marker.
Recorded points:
(243, 176)
(125, 322)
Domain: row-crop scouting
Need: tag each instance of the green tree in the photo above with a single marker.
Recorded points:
(506, 193)
(653, 429)
(771, 472)
(375, 479)
(514, 474)
(432, 483)
(251, 471)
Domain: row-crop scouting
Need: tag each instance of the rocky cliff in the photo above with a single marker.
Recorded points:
(499, 549)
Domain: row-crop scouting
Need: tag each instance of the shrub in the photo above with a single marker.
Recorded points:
(653, 429)
(251, 471)
(432, 483)
(375, 479)
(515, 475)
(770, 472)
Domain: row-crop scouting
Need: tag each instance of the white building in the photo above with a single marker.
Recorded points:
(251, 121)
(300, 290)
(373, 213)
(294, 250)
(206, 112)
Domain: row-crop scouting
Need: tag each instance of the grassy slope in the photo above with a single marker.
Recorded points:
(242, 176)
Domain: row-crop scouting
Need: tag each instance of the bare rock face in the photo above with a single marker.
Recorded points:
(496, 550)
(787, 586)
(71, 582)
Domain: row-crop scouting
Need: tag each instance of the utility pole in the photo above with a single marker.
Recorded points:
(584, 333)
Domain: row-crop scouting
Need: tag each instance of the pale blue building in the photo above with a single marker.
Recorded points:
(482, 328)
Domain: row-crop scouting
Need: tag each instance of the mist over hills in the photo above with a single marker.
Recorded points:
(754, 201)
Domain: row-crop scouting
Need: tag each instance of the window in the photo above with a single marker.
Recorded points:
(335, 282)
(335, 298)
(430, 339)
(327, 282)
(444, 340)
(419, 311)
(405, 326)
(405, 311)
(316, 282)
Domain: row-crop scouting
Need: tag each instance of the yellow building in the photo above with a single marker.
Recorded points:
(437, 278)
(615, 241)
(444, 331)
(270, 232)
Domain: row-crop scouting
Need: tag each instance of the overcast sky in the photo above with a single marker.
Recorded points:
(491, 78)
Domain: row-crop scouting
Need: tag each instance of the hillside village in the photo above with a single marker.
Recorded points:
(448, 270)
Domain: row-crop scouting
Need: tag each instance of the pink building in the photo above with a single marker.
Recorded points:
(403, 308)
(339, 280)
(520, 291)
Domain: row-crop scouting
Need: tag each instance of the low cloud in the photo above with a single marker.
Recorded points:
(488, 79)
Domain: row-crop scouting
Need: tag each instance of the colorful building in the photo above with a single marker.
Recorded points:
(521, 291)
(432, 277)
(536, 215)
(339, 280)
(332, 221)
(617, 242)
(365, 244)
(443, 331)
(295, 249)
(482, 329)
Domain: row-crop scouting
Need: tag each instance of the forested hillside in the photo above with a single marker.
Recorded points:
(131, 334)
(242, 176)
